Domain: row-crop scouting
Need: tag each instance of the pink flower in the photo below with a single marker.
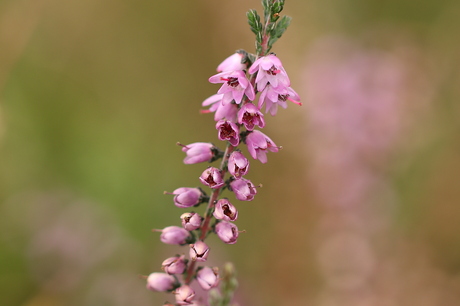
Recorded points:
(191, 221)
(187, 197)
(235, 86)
(233, 62)
(250, 115)
(174, 235)
(208, 278)
(244, 189)
(184, 295)
(225, 210)
(228, 131)
(198, 152)
(161, 282)
(238, 165)
(272, 97)
(258, 144)
(212, 177)
(227, 111)
(174, 265)
(199, 251)
(227, 232)
(269, 70)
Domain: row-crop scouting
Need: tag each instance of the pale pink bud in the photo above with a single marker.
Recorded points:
(174, 235)
(199, 251)
(250, 116)
(161, 282)
(198, 152)
(228, 131)
(238, 165)
(191, 221)
(212, 177)
(184, 295)
(227, 232)
(259, 144)
(233, 62)
(174, 265)
(187, 197)
(225, 210)
(244, 189)
(208, 278)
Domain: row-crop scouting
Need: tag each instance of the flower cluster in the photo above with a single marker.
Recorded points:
(237, 113)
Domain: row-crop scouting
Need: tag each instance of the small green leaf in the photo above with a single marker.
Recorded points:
(278, 31)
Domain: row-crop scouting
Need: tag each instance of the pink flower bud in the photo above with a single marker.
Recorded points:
(258, 144)
(244, 189)
(238, 165)
(174, 235)
(228, 131)
(161, 282)
(250, 116)
(233, 62)
(212, 177)
(174, 265)
(184, 295)
(227, 232)
(208, 278)
(225, 211)
(191, 221)
(187, 197)
(199, 251)
(198, 152)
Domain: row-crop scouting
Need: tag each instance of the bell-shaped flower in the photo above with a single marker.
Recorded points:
(227, 111)
(259, 144)
(187, 197)
(233, 62)
(235, 86)
(273, 97)
(208, 278)
(212, 177)
(184, 295)
(224, 210)
(250, 116)
(199, 251)
(228, 131)
(198, 152)
(161, 282)
(174, 265)
(191, 221)
(238, 165)
(269, 70)
(227, 232)
(174, 235)
(244, 189)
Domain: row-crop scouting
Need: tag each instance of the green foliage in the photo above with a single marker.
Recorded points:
(228, 286)
(273, 28)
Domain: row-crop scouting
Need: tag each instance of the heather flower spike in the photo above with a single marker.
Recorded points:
(243, 76)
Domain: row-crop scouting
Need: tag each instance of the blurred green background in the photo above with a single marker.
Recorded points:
(95, 94)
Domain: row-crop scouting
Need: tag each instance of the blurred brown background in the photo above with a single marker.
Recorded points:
(361, 206)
